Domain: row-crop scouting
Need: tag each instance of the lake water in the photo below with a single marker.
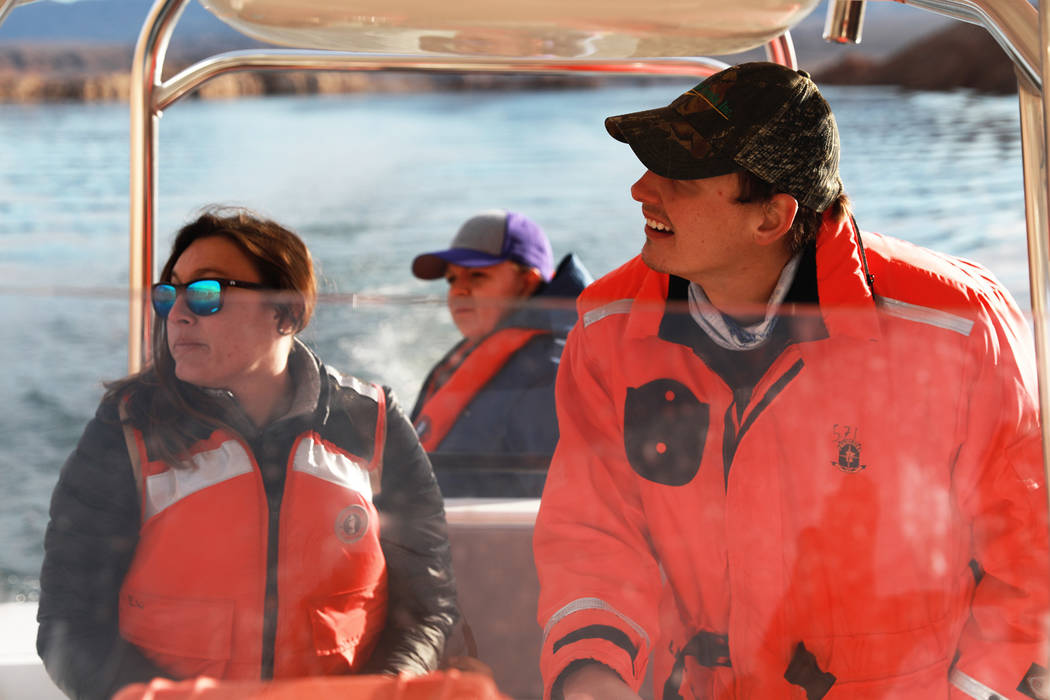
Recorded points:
(372, 180)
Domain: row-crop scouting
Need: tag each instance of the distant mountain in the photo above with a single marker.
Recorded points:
(887, 27)
(959, 56)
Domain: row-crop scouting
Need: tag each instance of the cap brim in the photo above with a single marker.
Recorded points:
(656, 136)
(431, 266)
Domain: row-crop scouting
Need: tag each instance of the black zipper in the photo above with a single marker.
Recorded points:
(731, 437)
(269, 630)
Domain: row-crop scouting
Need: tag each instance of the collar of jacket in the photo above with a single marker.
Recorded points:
(846, 302)
(553, 306)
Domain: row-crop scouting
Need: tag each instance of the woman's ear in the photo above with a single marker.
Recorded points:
(777, 216)
(287, 319)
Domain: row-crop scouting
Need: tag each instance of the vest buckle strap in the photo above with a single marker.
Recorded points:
(804, 671)
(707, 648)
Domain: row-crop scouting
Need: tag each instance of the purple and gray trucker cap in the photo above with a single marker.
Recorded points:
(762, 117)
(489, 238)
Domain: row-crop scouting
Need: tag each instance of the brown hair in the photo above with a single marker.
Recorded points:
(173, 414)
(807, 221)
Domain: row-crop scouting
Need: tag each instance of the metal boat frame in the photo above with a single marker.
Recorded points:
(1022, 31)
(7, 5)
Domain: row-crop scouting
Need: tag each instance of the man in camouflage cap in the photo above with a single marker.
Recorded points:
(794, 460)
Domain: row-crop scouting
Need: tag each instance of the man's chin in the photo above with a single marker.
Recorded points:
(654, 261)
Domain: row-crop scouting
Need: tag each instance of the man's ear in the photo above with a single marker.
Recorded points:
(777, 216)
(531, 279)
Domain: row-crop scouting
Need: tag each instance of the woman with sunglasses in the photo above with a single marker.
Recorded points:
(238, 509)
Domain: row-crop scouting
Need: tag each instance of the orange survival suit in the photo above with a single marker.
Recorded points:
(855, 509)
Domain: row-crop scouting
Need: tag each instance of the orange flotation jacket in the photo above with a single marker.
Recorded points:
(442, 408)
(860, 513)
(200, 597)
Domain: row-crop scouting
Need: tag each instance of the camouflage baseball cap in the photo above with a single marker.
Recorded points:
(763, 117)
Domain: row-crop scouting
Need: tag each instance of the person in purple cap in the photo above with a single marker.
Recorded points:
(796, 459)
(492, 395)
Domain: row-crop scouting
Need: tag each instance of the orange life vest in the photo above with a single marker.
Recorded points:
(194, 599)
(443, 407)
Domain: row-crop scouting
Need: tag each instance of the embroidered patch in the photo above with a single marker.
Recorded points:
(1036, 683)
(847, 449)
(351, 524)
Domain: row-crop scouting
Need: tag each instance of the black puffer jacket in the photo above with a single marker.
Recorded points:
(91, 538)
(513, 416)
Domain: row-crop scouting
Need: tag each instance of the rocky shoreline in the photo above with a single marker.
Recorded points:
(114, 86)
(961, 56)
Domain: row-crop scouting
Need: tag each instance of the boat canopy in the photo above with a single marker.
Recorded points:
(510, 28)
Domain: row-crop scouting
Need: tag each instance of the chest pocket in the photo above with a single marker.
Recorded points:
(157, 625)
(664, 431)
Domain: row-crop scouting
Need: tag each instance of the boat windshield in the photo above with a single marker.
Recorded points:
(370, 181)
(836, 440)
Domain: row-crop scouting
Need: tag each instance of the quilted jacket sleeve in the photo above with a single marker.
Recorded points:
(422, 590)
(88, 547)
(599, 582)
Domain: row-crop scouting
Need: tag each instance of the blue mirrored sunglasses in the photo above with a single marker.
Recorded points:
(203, 297)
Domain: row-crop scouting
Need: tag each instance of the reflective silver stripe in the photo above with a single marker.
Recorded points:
(225, 462)
(620, 306)
(973, 687)
(376, 393)
(592, 604)
(314, 458)
(924, 314)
